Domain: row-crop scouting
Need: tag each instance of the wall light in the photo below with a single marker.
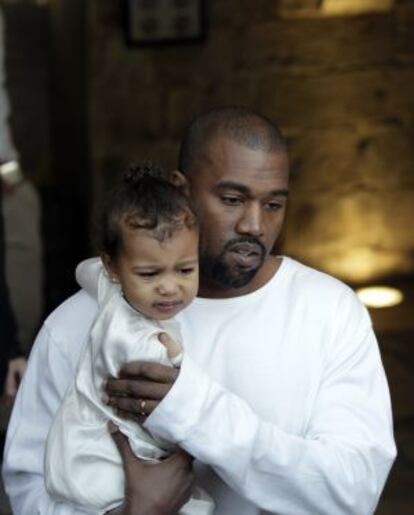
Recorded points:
(380, 296)
(344, 7)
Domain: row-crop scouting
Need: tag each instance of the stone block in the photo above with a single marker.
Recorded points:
(127, 117)
(240, 13)
(221, 12)
(359, 98)
(104, 17)
(182, 105)
(317, 43)
(405, 32)
(357, 236)
(198, 65)
(342, 159)
(240, 89)
(299, 6)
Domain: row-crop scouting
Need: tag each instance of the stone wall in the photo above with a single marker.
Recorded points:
(341, 87)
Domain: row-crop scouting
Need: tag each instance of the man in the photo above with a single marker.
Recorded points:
(281, 398)
(12, 365)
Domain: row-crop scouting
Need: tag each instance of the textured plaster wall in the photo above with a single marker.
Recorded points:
(341, 87)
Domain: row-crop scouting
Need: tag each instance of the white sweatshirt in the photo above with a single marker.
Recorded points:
(281, 397)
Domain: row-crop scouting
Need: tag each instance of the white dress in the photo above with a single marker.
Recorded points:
(82, 463)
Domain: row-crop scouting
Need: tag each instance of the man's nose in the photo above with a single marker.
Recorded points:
(251, 221)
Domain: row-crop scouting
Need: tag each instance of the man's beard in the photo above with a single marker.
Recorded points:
(217, 271)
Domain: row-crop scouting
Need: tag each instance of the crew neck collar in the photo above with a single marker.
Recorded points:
(254, 294)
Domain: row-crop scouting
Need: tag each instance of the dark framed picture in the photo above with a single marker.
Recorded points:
(162, 22)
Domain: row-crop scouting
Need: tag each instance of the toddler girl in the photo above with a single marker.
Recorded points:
(147, 273)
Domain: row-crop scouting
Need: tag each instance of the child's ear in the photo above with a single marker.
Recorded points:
(110, 267)
(180, 181)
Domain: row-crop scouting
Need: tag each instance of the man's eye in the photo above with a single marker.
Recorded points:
(231, 201)
(273, 206)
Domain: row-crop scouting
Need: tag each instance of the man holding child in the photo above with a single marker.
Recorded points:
(281, 398)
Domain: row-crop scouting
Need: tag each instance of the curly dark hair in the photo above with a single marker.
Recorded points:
(144, 199)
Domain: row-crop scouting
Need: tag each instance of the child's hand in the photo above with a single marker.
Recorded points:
(174, 349)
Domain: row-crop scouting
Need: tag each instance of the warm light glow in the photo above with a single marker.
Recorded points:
(360, 264)
(341, 7)
(380, 296)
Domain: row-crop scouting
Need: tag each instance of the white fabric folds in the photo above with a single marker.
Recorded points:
(82, 463)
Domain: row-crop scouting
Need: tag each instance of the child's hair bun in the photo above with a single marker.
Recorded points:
(136, 173)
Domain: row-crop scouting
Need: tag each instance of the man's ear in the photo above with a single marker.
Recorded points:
(180, 181)
(110, 268)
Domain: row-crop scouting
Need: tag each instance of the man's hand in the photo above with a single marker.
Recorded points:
(15, 371)
(153, 488)
(141, 386)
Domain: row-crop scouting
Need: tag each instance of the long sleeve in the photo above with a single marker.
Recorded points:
(89, 276)
(93, 278)
(337, 466)
(35, 406)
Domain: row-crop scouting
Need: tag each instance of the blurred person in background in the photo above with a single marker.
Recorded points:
(20, 261)
(12, 364)
(23, 252)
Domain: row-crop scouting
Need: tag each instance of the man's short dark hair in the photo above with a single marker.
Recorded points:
(240, 124)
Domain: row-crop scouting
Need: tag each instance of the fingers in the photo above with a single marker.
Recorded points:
(173, 348)
(153, 371)
(136, 388)
(182, 457)
(182, 464)
(127, 405)
(121, 441)
(178, 460)
(136, 417)
(142, 385)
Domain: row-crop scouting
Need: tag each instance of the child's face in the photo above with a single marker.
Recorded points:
(158, 278)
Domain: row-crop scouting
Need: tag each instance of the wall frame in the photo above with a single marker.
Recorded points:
(164, 22)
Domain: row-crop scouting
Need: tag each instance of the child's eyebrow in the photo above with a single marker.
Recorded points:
(145, 267)
(188, 262)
